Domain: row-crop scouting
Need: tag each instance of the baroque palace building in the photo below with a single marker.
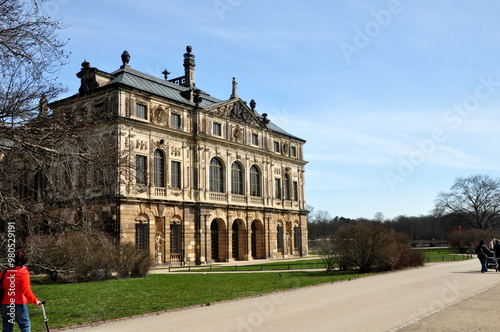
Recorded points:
(207, 179)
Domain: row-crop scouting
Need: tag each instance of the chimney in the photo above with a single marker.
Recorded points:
(189, 67)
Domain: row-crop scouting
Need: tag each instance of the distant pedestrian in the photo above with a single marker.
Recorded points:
(17, 293)
(482, 253)
(496, 250)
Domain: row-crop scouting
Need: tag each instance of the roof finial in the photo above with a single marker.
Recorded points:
(125, 58)
(253, 104)
(233, 93)
(265, 120)
(189, 65)
(165, 74)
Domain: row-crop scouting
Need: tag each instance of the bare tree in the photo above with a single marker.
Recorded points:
(379, 216)
(30, 57)
(475, 198)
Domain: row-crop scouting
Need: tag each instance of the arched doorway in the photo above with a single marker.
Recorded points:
(218, 241)
(238, 240)
(234, 242)
(214, 240)
(258, 250)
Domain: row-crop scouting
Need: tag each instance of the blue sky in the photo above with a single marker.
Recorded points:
(395, 98)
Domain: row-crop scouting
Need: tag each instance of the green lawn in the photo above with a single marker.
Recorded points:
(443, 254)
(73, 304)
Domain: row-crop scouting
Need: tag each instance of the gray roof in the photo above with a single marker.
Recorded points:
(172, 91)
(163, 88)
(157, 86)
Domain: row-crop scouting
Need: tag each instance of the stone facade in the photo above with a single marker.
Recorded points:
(203, 179)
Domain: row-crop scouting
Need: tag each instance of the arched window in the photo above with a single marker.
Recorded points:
(254, 181)
(216, 176)
(286, 186)
(159, 169)
(237, 179)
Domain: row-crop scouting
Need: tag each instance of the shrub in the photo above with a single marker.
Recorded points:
(131, 262)
(78, 256)
(367, 246)
(363, 245)
(73, 256)
(327, 253)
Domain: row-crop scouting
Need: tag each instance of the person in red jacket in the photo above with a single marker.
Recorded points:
(17, 293)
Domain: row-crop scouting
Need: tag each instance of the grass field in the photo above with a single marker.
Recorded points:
(73, 304)
(443, 255)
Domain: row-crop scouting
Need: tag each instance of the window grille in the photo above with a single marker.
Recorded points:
(175, 238)
(142, 236)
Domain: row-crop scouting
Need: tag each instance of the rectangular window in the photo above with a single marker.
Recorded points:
(276, 147)
(277, 188)
(141, 170)
(293, 151)
(141, 111)
(175, 170)
(217, 129)
(255, 139)
(296, 237)
(279, 234)
(175, 120)
(295, 191)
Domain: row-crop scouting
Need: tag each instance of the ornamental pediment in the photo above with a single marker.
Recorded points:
(236, 110)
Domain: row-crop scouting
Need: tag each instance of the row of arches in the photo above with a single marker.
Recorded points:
(221, 242)
(220, 251)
